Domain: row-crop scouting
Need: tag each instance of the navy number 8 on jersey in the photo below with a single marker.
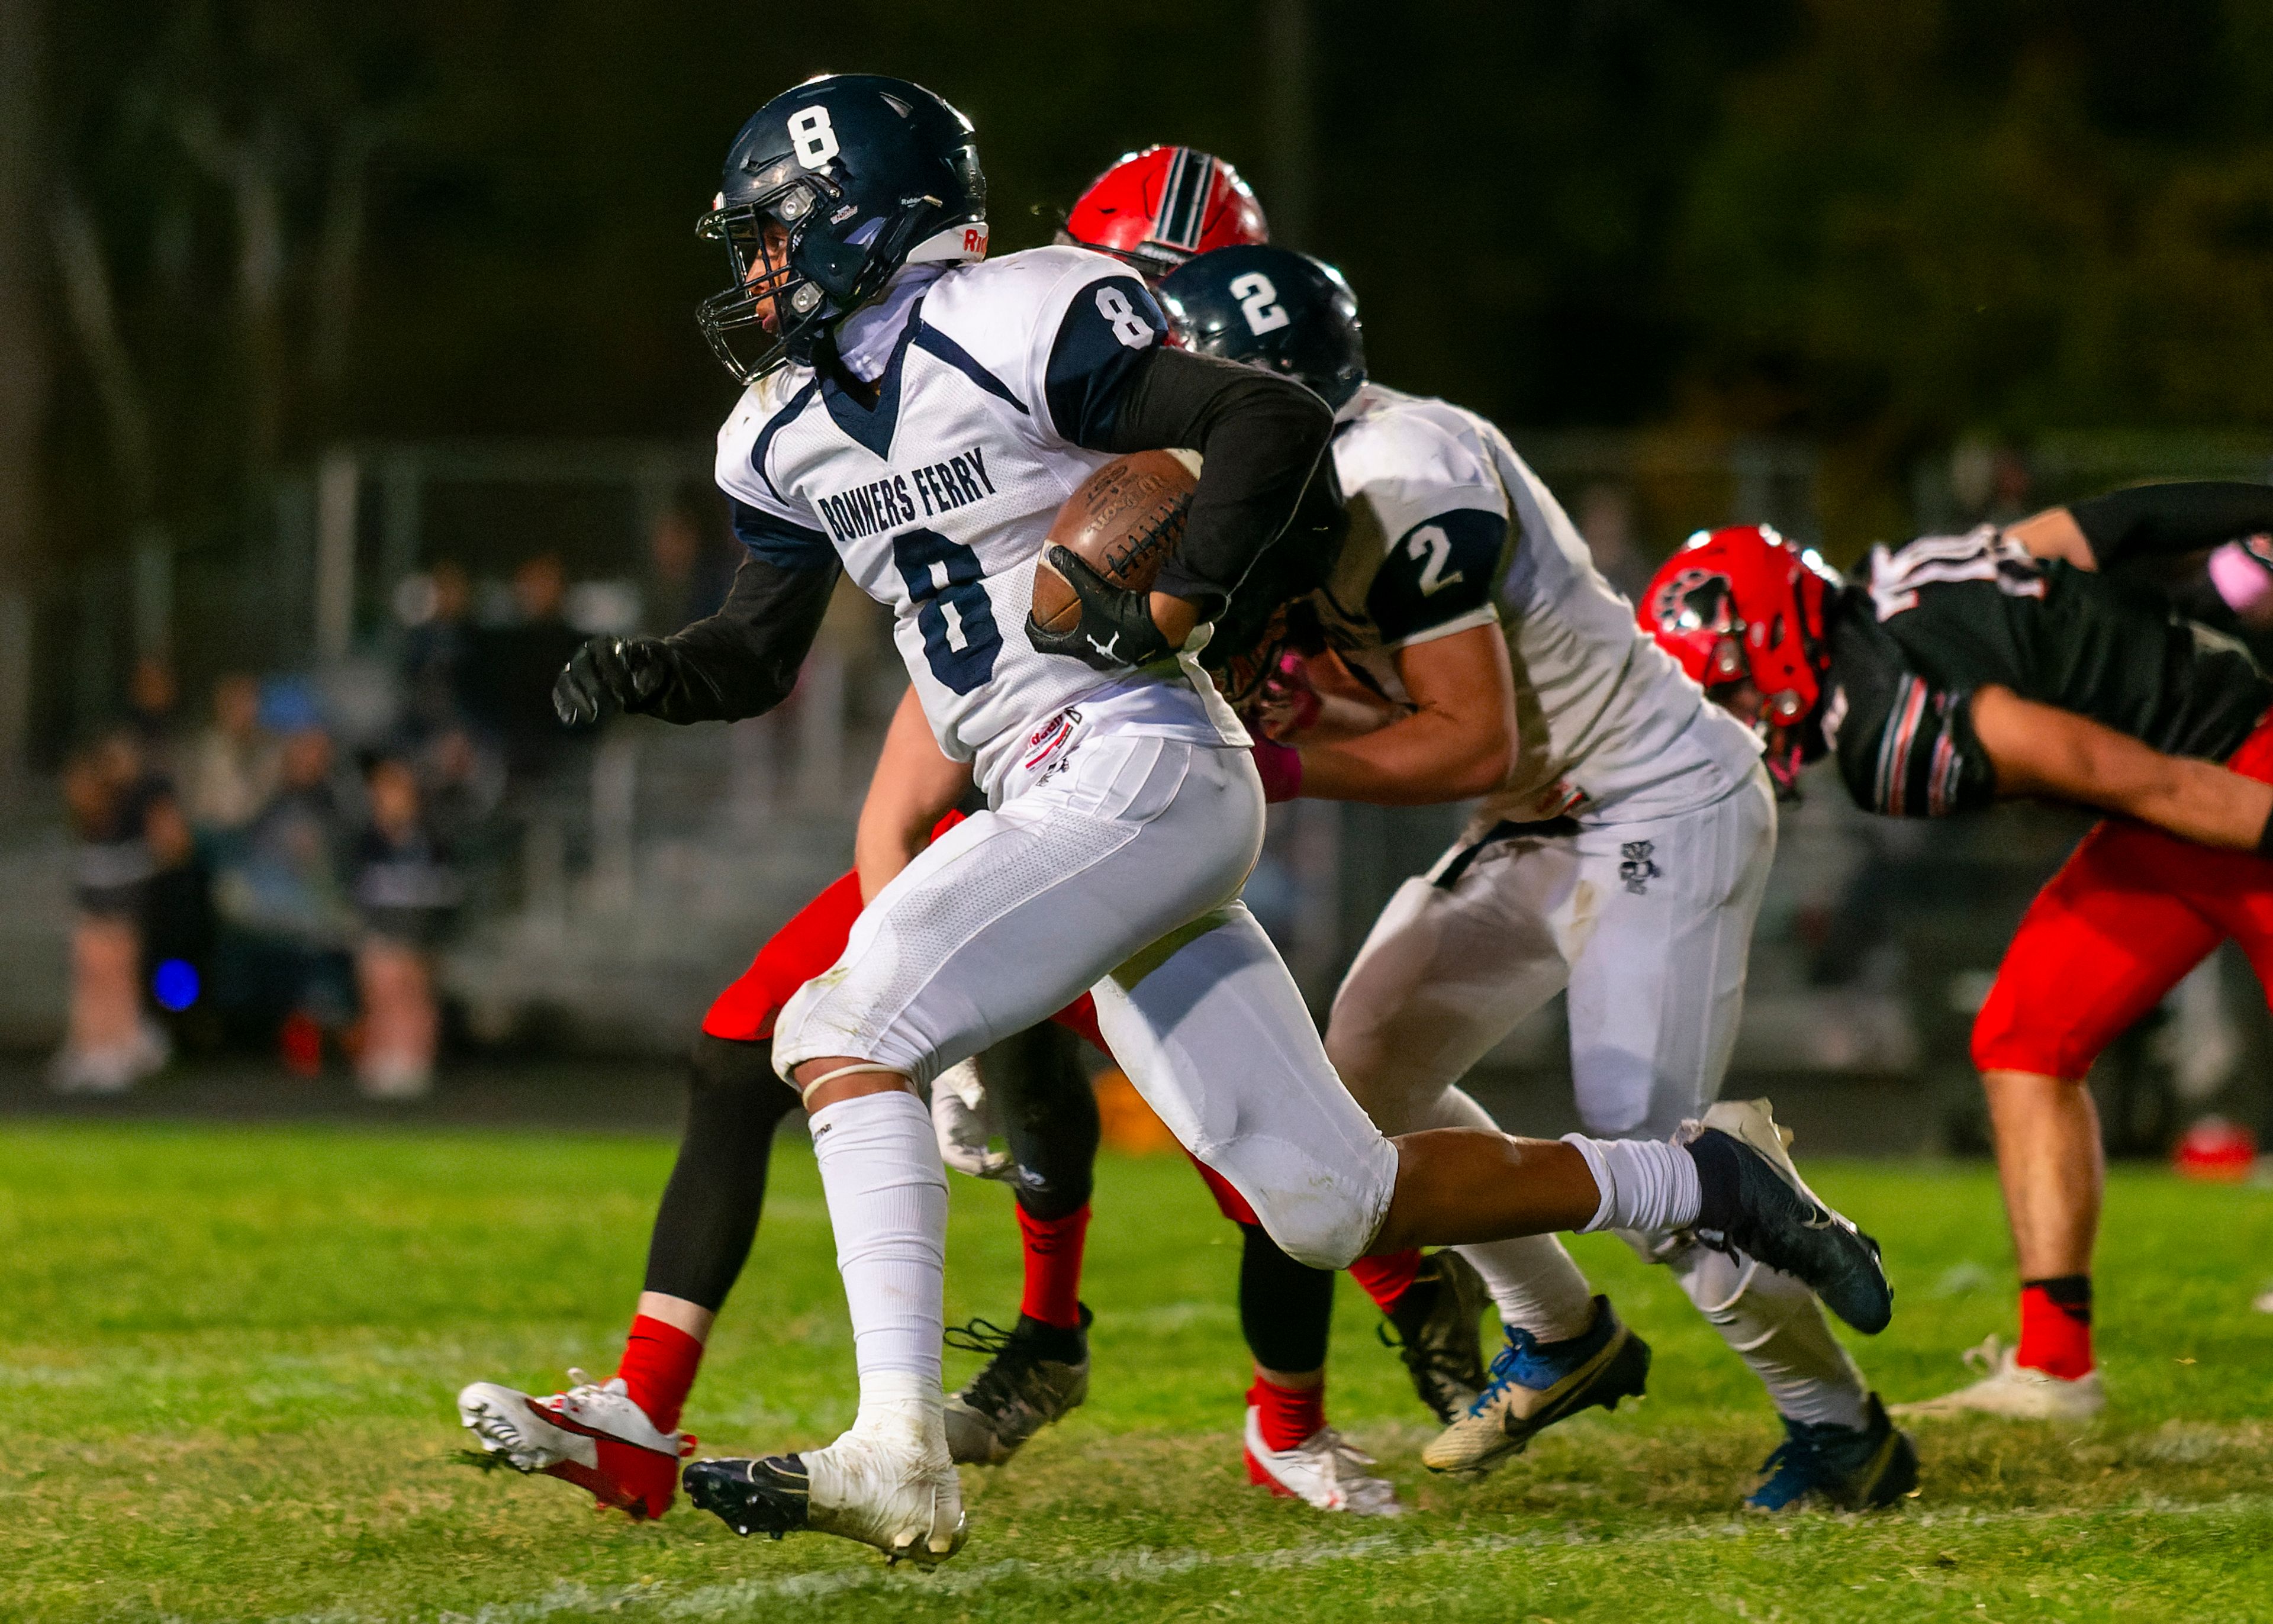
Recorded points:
(952, 610)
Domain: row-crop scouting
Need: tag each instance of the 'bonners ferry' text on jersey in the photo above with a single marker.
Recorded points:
(1604, 718)
(937, 500)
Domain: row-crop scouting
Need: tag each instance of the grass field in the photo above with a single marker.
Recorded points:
(227, 1360)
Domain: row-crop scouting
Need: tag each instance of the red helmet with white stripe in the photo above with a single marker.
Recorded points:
(1159, 207)
(1745, 603)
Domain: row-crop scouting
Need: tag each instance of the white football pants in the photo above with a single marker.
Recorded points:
(1118, 872)
(1648, 925)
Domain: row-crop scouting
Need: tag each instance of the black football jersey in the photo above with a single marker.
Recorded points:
(1916, 629)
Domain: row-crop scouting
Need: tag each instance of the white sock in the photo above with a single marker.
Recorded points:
(1535, 1286)
(1645, 1184)
(1776, 1326)
(887, 1192)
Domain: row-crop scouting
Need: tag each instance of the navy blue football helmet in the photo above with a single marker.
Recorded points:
(1273, 307)
(856, 175)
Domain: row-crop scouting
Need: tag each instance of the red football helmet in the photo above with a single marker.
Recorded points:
(1745, 603)
(1159, 207)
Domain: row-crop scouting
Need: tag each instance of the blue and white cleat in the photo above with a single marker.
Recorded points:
(1535, 1384)
(1851, 1468)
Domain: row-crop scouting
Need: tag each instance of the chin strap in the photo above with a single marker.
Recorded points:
(805, 1093)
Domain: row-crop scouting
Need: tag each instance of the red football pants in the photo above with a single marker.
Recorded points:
(2127, 916)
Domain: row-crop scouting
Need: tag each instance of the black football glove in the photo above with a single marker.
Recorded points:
(611, 674)
(1115, 632)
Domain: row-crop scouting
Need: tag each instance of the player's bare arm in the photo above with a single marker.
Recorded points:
(1457, 741)
(2163, 522)
(914, 786)
(2039, 749)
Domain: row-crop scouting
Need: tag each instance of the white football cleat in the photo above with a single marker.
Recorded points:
(2264, 1305)
(1325, 1469)
(2016, 1391)
(903, 1499)
(887, 1483)
(592, 1436)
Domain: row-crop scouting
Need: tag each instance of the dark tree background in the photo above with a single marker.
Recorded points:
(262, 225)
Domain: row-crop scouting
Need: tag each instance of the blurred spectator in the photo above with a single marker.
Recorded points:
(232, 765)
(692, 573)
(127, 828)
(406, 892)
(509, 679)
(461, 785)
(152, 694)
(437, 608)
(282, 895)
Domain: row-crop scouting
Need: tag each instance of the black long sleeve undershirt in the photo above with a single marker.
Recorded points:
(1259, 434)
(2171, 519)
(743, 659)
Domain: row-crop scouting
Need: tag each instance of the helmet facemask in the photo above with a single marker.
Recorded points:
(812, 281)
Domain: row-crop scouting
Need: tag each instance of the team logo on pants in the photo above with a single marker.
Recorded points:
(1636, 869)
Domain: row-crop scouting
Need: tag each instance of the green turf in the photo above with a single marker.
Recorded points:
(227, 1359)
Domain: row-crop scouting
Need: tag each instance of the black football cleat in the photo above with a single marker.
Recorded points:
(1037, 1374)
(769, 1497)
(1756, 1202)
(1437, 1335)
(1847, 1468)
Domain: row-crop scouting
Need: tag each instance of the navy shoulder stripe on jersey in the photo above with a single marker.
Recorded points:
(932, 340)
(1437, 572)
(779, 542)
(782, 419)
(1112, 325)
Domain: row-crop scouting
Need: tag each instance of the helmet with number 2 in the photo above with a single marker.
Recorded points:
(1745, 603)
(1272, 308)
(856, 175)
(1158, 207)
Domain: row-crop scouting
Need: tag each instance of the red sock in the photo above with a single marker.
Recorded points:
(1053, 1250)
(2056, 1327)
(1385, 1279)
(659, 1364)
(1285, 1416)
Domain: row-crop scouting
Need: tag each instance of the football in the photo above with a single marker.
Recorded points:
(1125, 521)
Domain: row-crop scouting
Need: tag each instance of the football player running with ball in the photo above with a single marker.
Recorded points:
(915, 416)
(620, 1438)
(1959, 669)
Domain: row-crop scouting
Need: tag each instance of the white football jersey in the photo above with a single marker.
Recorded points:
(1603, 715)
(938, 499)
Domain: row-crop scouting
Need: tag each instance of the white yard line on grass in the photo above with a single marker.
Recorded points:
(567, 1599)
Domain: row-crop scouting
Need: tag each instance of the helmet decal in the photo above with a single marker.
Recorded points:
(1271, 308)
(1693, 599)
(1158, 207)
(1183, 204)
